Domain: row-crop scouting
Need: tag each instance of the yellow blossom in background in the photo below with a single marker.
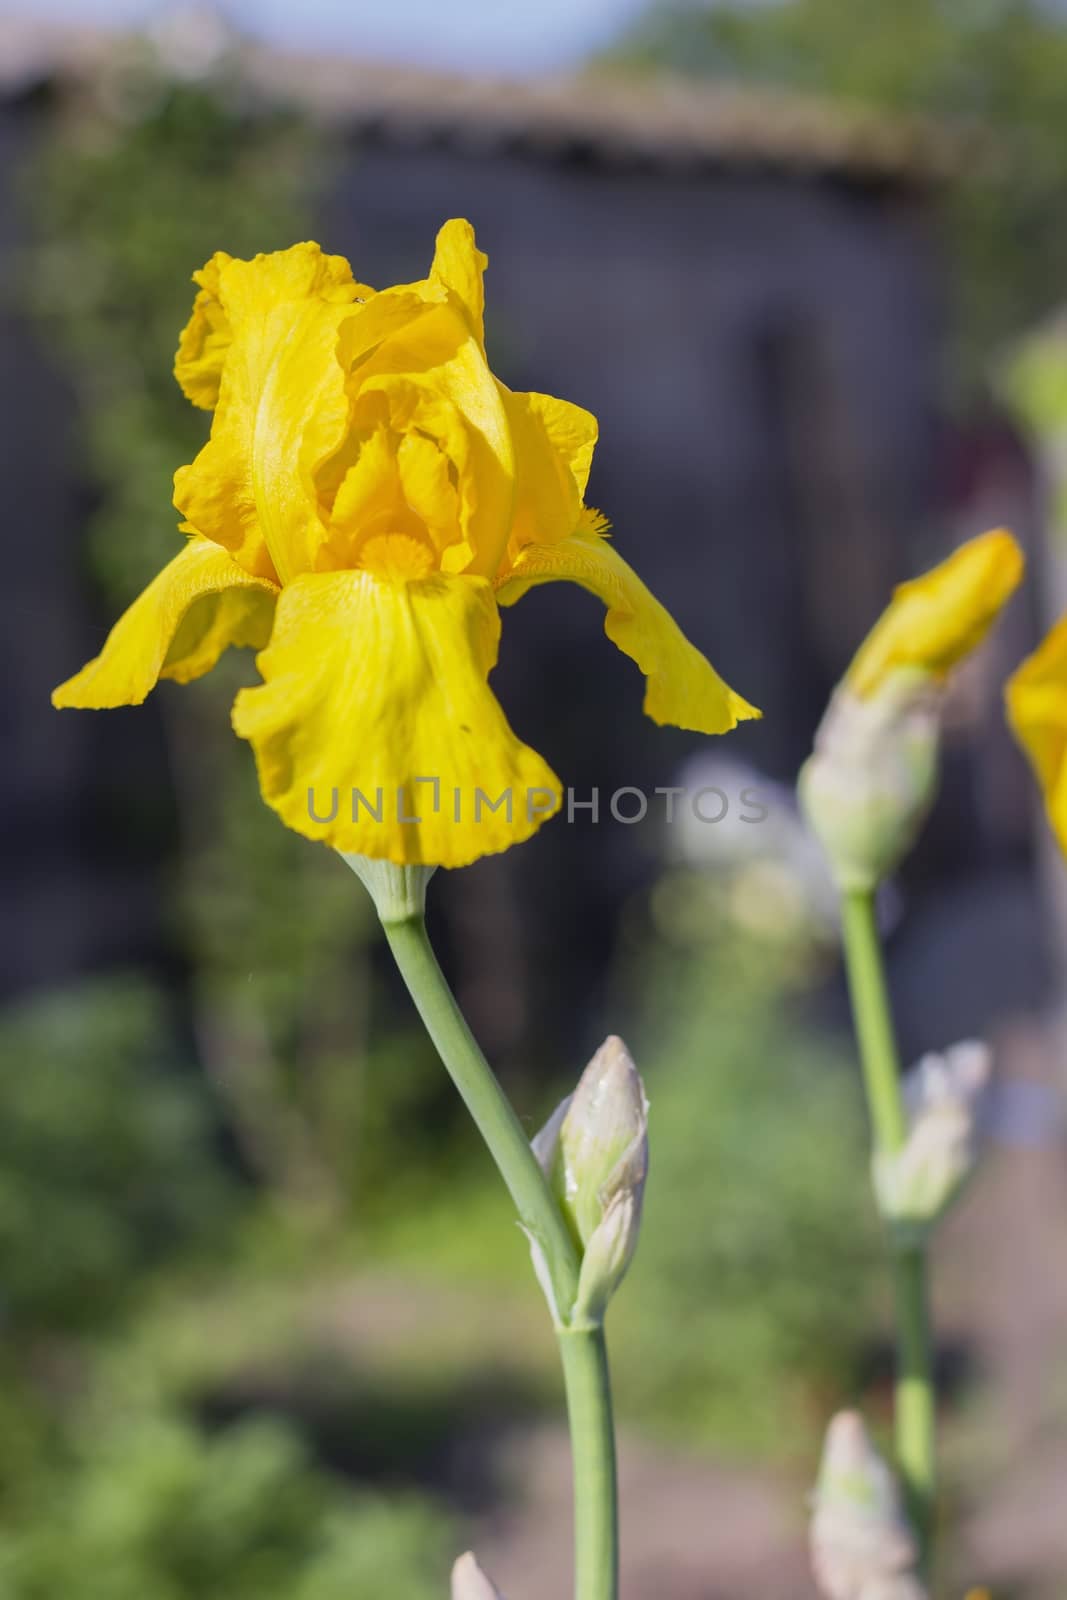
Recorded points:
(1036, 697)
(369, 496)
(872, 777)
(933, 621)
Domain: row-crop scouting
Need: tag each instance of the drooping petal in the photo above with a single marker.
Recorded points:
(1036, 696)
(282, 408)
(199, 604)
(682, 687)
(935, 620)
(458, 264)
(554, 443)
(375, 730)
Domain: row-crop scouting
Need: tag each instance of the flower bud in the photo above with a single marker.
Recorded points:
(398, 892)
(861, 1545)
(943, 1096)
(594, 1152)
(469, 1582)
(872, 777)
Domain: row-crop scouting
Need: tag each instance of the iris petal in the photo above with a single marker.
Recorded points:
(935, 620)
(1036, 696)
(282, 410)
(199, 604)
(554, 444)
(379, 686)
(682, 687)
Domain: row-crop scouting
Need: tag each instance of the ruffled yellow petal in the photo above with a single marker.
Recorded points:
(282, 408)
(932, 622)
(682, 687)
(201, 602)
(205, 339)
(372, 685)
(1036, 697)
(458, 264)
(430, 376)
(554, 443)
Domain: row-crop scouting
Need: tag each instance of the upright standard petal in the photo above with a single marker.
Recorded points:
(430, 375)
(282, 406)
(682, 687)
(554, 444)
(375, 730)
(1036, 696)
(458, 265)
(933, 621)
(199, 604)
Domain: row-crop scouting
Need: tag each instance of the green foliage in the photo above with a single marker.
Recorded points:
(129, 191)
(752, 1290)
(106, 1157)
(998, 67)
(152, 1508)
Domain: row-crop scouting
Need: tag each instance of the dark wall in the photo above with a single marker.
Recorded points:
(84, 814)
(761, 352)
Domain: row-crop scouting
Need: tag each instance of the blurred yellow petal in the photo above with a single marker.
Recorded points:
(282, 410)
(933, 621)
(682, 687)
(554, 443)
(199, 604)
(459, 265)
(1036, 696)
(371, 685)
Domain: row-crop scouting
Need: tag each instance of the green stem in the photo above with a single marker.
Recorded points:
(874, 1020)
(915, 1397)
(487, 1103)
(915, 1416)
(596, 1533)
(582, 1349)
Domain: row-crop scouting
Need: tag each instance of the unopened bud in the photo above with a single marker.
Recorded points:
(861, 1544)
(943, 1096)
(469, 1582)
(872, 777)
(901, 1586)
(594, 1152)
(398, 892)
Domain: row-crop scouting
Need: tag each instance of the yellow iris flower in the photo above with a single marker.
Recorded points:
(370, 494)
(933, 621)
(1036, 698)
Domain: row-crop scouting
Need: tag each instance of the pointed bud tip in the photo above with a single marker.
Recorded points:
(603, 1138)
(861, 1543)
(469, 1582)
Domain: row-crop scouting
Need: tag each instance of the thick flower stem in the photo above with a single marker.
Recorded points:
(596, 1534)
(915, 1399)
(582, 1349)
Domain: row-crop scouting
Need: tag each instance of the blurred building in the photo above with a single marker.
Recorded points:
(746, 290)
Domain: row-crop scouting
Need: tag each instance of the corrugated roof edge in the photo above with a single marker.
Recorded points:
(659, 121)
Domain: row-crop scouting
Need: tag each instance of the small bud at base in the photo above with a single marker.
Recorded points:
(859, 1535)
(594, 1152)
(916, 1185)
